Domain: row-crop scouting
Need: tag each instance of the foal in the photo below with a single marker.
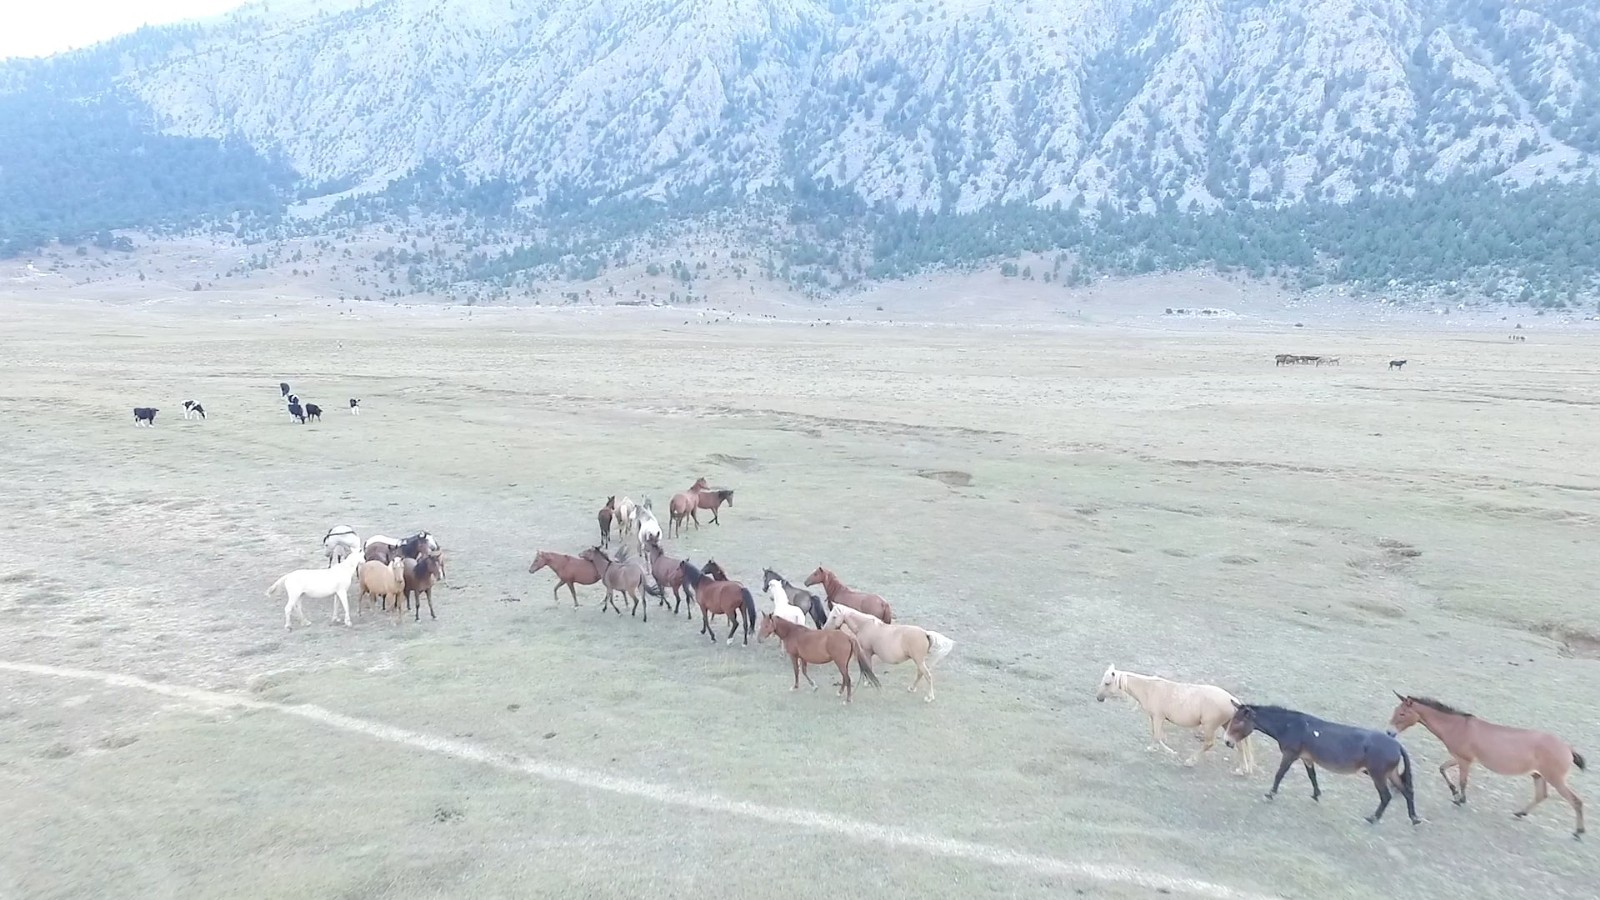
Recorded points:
(1502, 750)
(1339, 748)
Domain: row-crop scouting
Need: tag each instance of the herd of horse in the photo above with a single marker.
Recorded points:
(841, 627)
(391, 571)
(1298, 359)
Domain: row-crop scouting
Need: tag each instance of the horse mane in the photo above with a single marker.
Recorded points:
(724, 494)
(1440, 706)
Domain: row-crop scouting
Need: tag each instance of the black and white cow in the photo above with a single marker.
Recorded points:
(295, 410)
(355, 406)
(144, 415)
(192, 408)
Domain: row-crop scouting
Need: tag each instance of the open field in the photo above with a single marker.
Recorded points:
(1054, 500)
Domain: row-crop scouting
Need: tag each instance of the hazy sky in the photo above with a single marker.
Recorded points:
(42, 27)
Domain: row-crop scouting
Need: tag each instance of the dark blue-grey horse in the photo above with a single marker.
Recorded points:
(1335, 747)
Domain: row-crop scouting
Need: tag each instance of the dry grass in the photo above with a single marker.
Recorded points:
(1053, 501)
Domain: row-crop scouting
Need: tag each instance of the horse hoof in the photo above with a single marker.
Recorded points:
(1372, 820)
(1415, 821)
(1459, 801)
(1519, 815)
(928, 699)
(1188, 763)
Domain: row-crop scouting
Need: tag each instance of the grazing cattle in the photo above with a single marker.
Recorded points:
(313, 412)
(192, 408)
(144, 415)
(355, 406)
(296, 412)
(1397, 363)
(284, 386)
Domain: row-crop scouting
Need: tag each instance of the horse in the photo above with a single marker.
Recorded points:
(649, 530)
(420, 575)
(668, 573)
(605, 515)
(1502, 749)
(1397, 363)
(1285, 359)
(317, 584)
(628, 576)
(894, 643)
(808, 602)
(837, 592)
(1307, 359)
(415, 546)
(781, 607)
(381, 549)
(339, 542)
(626, 514)
(1327, 360)
(1336, 747)
(384, 581)
(569, 571)
(679, 508)
(710, 499)
(719, 598)
(807, 647)
(1202, 707)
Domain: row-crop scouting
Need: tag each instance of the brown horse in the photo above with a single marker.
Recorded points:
(808, 646)
(569, 570)
(421, 575)
(630, 577)
(1502, 750)
(669, 574)
(607, 513)
(838, 592)
(719, 598)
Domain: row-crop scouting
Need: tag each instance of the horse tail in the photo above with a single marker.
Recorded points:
(1577, 760)
(818, 614)
(888, 613)
(939, 647)
(1406, 780)
(749, 609)
(652, 586)
(276, 584)
(861, 659)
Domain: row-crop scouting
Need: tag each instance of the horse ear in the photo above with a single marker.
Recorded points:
(1403, 697)
(1236, 705)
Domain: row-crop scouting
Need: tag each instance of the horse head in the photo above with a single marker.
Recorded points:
(1108, 684)
(1404, 716)
(540, 560)
(1241, 725)
(817, 576)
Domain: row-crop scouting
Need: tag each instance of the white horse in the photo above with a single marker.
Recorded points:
(649, 529)
(318, 584)
(339, 542)
(782, 608)
(1202, 707)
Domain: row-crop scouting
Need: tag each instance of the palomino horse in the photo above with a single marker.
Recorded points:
(421, 575)
(626, 513)
(1202, 707)
(1336, 747)
(384, 582)
(339, 542)
(781, 607)
(1502, 750)
(569, 571)
(630, 577)
(317, 584)
(668, 573)
(807, 647)
(808, 602)
(605, 515)
(894, 643)
(837, 592)
(720, 598)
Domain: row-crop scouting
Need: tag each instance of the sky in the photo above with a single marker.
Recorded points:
(43, 27)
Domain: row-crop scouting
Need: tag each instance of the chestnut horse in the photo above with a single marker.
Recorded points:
(808, 646)
(607, 513)
(719, 598)
(1502, 750)
(838, 592)
(569, 570)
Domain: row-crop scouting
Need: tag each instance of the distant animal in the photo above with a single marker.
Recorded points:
(294, 398)
(420, 575)
(720, 598)
(807, 647)
(1285, 359)
(339, 542)
(355, 406)
(837, 592)
(1307, 359)
(313, 412)
(296, 412)
(648, 528)
(192, 409)
(1502, 749)
(668, 573)
(710, 499)
(384, 582)
(284, 386)
(1336, 747)
(808, 602)
(1397, 363)
(1519, 337)
(627, 517)
(569, 571)
(894, 644)
(1199, 706)
(630, 577)
(607, 513)
(1327, 360)
(145, 416)
(781, 607)
(317, 584)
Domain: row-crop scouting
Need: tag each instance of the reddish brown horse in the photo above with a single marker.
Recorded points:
(687, 504)
(607, 513)
(808, 647)
(838, 592)
(669, 574)
(719, 598)
(569, 570)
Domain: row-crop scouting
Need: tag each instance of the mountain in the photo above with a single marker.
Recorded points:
(871, 114)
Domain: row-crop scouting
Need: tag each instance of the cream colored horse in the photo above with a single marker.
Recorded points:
(894, 644)
(1199, 706)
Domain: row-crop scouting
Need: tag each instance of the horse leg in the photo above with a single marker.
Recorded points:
(844, 673)
(429, 592)
(695, 515)
(1311, 773)
(344, 603)
(1158, 725)
(715, 520)
(1540, 791)
(1208, 739)
(1408, 791)
(805, 669)
(1283, 769)
(1445, 767)
(734, 618)
(572, 588)
(1381, 782)
(288, 609)
(926, 674)
(645, 604)
(1574, 801)
(1247, 758)
(705, 625)
(795, 658)
(1463, 768)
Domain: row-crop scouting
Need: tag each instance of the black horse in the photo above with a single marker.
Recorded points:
(1336, 747)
